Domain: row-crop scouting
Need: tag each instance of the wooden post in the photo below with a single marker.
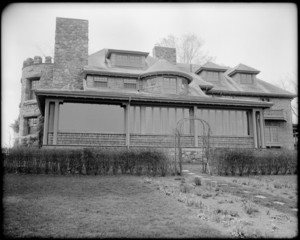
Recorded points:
(195, 128)
(262, 128)
(56, 118)
(254, 128)
(46, 123)
(192, 122)
(127, 108)
(143, 119)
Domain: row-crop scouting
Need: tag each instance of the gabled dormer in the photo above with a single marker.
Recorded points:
(211, 72)
(243, 74)
(124, 58)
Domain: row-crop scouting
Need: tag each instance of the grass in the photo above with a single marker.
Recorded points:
(95, 206)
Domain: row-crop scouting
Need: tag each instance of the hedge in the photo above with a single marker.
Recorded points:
(87, 161)
(253, 161)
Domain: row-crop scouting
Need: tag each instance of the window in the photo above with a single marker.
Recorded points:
(212, 76)
(33, 85)
(246, 78)
(100, 82)
(169, 85)
(130, 83)
(32, 125)
(128, 60)
(271, 133)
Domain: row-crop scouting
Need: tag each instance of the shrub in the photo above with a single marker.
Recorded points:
(197, 181)
(253, 161)
(87, 161)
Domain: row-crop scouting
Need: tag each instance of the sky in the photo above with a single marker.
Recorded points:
(260, 35)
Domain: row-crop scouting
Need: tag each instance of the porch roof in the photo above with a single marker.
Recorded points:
(144, 99)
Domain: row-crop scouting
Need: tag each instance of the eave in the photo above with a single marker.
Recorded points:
(145, 99)
(110, 51)
(256, 94)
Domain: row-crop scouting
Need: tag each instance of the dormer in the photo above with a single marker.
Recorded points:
(211, 72)
(127, 59)
(243, 74)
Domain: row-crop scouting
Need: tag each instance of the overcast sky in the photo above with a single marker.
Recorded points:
(263, 36)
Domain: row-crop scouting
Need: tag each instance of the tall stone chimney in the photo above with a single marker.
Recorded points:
(71, 52)
(166, 53)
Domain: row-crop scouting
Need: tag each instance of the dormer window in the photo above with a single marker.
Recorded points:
(123, 58)
(100, 82)
(212, 76)
(246, 78)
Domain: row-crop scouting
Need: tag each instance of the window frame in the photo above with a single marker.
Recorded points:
(31, 125)
(130, 83)
(31, 95)
(168, 87)
(100, 82)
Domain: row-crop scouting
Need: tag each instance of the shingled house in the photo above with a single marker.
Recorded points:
(126, 98)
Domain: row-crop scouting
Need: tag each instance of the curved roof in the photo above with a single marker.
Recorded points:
(162, 66)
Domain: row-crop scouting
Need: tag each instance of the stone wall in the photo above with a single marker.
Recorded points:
(166, 53)
(33, 68)
(71, 53)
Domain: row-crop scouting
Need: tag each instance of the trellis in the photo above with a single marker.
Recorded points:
(205, 143)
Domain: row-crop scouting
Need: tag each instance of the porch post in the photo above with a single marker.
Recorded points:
(191, 115)
(127, 120)
(195, 128)
(262, 128)
(254, 127)
(143, 119)
(46, 123)
(56, 117)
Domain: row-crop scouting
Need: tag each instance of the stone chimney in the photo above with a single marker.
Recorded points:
(166, 53)
(71, 52)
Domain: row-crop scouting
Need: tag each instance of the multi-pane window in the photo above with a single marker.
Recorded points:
(33, 85)
(100, 82)
(271, 132)
(32, 125)
(246, 78)
(128, 60)
(212, 76)
(169, 85)
(130, 83)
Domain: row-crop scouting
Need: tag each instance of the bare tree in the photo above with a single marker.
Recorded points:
(188, 48)
(289, 83)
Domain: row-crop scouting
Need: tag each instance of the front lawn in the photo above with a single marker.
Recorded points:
(95, 206)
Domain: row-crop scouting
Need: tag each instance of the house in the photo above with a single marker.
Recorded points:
(123, 98)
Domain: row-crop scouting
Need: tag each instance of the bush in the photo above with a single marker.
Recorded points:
(87, 161)
(253, 161)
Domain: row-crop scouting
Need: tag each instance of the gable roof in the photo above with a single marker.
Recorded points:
(243, 69)
(212, 66)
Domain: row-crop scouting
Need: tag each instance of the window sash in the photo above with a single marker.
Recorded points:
(246, 78)
(170, 85)
(212, 76)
